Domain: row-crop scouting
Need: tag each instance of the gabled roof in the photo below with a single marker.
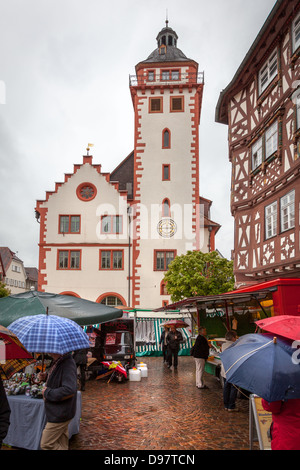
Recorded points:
(7, 256)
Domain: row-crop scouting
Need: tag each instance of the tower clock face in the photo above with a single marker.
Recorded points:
(166, 228)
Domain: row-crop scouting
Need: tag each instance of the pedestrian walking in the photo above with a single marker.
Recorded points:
(200, 352)
(163, 342)
(4, 413)
(60, 395)
(80, 358)
(174, 338)
(285, 423)
(229, 390)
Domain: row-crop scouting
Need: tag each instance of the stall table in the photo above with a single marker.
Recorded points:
(213, 366)
(28, 419)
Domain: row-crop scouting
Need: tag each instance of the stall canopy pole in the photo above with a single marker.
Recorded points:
(227, 317)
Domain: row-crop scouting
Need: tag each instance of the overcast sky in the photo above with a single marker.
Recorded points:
(64, 83)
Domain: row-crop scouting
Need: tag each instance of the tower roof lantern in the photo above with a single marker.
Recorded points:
(167, 36)
(167, 50)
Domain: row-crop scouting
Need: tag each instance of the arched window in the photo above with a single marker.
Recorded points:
(166, 208)
(112, 301)
(166, 139)
(163, 288)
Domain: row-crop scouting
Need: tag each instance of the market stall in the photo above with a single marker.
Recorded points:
(148, 332)
(28, 419)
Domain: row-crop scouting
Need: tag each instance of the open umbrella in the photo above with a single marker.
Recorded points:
(264, 365)
(50, 334)
(82, 311)
(176, 323)
(283, 325)
(13, 355)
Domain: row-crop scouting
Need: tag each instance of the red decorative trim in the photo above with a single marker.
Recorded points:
(71, 294)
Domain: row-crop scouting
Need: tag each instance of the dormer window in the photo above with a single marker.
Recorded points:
(163, 50)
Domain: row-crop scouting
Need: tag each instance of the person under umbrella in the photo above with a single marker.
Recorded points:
(174, 338)
(60, 395)
(57, 337)
(163, 342)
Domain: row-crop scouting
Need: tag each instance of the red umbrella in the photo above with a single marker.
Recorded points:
(177, 323)
(287, 326)
(13, 355)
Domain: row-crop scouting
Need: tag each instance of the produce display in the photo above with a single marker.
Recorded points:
(24, 384)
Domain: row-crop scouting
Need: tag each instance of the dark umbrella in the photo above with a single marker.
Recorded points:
(82, 311)
(264, 365)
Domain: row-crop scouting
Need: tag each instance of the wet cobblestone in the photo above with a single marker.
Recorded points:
(165, 411)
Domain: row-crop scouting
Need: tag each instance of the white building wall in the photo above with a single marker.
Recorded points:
(153, 190)
(89, 282)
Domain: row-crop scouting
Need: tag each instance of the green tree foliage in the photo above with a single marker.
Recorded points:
(197, 273)
(4, 292)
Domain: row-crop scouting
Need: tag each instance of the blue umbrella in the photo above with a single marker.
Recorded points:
(263, 365)
(49, 334)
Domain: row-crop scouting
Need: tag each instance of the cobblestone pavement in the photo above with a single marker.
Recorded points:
(165, 411)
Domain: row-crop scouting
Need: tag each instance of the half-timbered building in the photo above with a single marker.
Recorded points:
(261, 106)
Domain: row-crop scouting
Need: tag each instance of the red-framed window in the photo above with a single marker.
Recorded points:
(69, 259)
(167, 75)
(166, 172)
(176, 104)
(69, 224)
(111, 259)
(112, 224)
(86, 192)
(166, 139)
(166, 208)
(162, 259)
(163, 288)
(156, 104)
(150, 75)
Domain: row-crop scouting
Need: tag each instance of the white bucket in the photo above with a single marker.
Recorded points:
(141, 364)
(144, 371)
(135, 375)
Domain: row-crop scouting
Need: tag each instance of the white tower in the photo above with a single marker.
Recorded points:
(167, 96)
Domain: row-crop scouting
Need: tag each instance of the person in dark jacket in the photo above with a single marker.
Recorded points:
(60, 395)
(163, 342)
(200, 352)
(4, 413)
(80, 358)
(174, 338)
